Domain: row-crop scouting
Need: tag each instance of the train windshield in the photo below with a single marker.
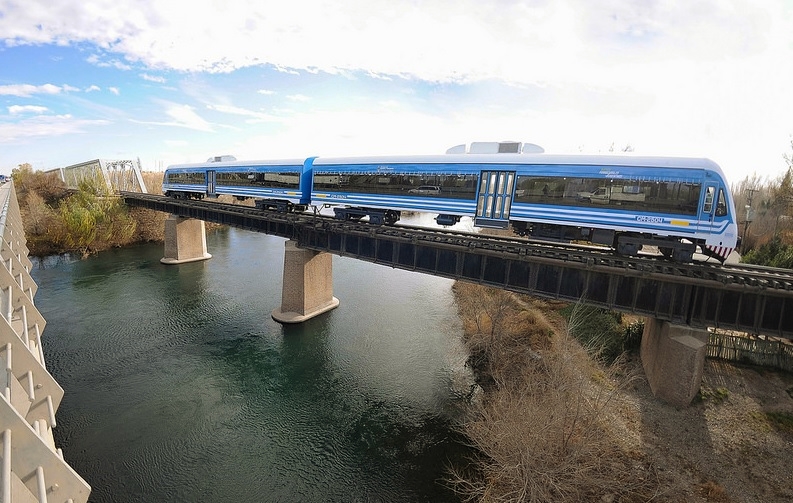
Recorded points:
(708, 206)
(721, 204)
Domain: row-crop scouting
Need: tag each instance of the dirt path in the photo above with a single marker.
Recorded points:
(735, 444)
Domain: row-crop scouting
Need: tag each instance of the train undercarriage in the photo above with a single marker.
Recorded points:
(376, 216)
(280, 205)
(624, 243)
(178, 194)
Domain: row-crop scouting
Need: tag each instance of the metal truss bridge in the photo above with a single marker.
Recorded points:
(745, 298)
(117, 175)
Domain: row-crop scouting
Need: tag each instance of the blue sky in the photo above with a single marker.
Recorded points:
(170, 81)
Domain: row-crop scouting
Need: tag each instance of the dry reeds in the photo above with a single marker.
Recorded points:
(542, 429)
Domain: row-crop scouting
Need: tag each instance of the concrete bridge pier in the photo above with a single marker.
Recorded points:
(308, 285)
(185, 240)
(673, 357)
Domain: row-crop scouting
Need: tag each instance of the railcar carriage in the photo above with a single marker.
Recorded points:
(280, 185)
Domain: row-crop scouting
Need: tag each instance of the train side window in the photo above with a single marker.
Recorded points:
(721, 204)
(708, 206)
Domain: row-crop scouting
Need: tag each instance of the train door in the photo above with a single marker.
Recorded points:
(494, 199)
(211, 183)
(707, 211)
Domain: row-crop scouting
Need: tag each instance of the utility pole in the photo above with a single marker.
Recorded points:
(751, 191)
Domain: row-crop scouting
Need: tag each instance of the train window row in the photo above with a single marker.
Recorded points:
(450, 186)
(193, 178)
(679, 197)
(289, 180)
(639, 195)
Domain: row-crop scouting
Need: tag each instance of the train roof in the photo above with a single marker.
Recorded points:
(623, 160)
(539, 159)
(692, 163)
(238, 164)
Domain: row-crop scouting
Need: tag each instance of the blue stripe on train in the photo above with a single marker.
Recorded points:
(440, 205)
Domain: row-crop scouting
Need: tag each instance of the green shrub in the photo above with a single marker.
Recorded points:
(772, 254)
(600, 331)
(57, 221)
(633, 335)
(94, 222)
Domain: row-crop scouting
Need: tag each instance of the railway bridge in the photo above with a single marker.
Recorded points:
(679, 301)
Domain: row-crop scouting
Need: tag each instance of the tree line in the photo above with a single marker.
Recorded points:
(764, 208)
(84, 221)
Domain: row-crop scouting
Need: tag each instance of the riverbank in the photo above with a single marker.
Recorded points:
(553, 424)
(87, 221)
(81, 222)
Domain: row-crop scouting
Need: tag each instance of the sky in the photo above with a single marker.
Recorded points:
(169, 81)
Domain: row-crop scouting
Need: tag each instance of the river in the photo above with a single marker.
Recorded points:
(180, 387)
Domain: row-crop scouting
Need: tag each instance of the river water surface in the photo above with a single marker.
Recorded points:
(180, 387)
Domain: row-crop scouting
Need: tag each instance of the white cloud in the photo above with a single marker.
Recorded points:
(634, 45)
(104, 62)
(233, 110)
(45, 126)
(183, 116)
(298, 97)
(153, 78)
(442, 40)
(92, 89)
(28, 90)
(114, 90)
(574, 40)
(671, 76)
(22, 109)
(177, 143)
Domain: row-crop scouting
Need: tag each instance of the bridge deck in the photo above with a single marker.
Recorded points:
(745, 298)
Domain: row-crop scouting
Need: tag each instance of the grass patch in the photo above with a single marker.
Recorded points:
(601, 331)
(782, 421)
(711, 395)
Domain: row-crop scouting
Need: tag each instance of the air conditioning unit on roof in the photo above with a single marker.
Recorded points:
(496, 147)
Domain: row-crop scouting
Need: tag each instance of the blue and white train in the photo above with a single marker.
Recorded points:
(626, 202)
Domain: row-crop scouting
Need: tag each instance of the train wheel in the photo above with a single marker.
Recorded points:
(520, 228)
(683, 255)
(627, 247)
(391, 217)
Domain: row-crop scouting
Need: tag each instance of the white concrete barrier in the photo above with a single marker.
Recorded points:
(33, 469)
